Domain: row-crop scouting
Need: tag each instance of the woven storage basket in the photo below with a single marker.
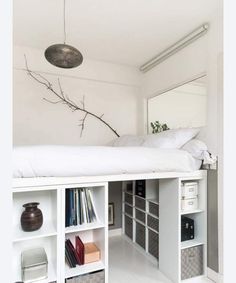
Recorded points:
(140, 203)
(140, 216)
(153, 243)
(129, 199)
(153, 223)
(140, 235)
(128, 227)
(154, 208)
(191, 262)
(95, 277)
(129, 210)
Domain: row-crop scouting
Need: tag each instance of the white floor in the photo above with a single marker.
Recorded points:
(128, 265)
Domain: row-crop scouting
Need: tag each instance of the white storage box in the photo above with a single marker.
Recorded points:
(189, 204)
(189, 189)
(34, 265)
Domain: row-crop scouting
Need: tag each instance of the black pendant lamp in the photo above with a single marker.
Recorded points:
(63, 55)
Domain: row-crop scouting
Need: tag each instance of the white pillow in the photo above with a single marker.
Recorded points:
(196, 148)
(129, 140)
(171, 139)
(199, 150)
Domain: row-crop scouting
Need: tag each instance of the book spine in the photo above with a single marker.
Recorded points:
(76, 206)
(81, 207)
(84, 208)
(71, 203)
(80, 248)
(88, 208)
(67, 210)
(69, 256)
(93, 206)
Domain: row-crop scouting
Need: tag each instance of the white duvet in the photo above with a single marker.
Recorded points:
(68, 161)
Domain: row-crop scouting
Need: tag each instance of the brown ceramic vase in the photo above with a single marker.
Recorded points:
(32, 217)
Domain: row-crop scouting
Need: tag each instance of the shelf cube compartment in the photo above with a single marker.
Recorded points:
(153, 243)
(140, 215)
(98, 197)
(128, 227)
(192, 262)
(47, 200)
(50, 246)
(140, 235)
(96, 236)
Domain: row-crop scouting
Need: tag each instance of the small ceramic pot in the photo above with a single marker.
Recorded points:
(32, 217)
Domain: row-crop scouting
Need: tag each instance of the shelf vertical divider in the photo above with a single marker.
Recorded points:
(169, 228)
(106, 232)
(61, 241)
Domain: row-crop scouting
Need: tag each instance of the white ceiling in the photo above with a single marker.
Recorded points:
(120, 31)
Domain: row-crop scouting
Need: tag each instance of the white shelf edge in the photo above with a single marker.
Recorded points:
(128, 204)
(190, 244)
(126, 214)
(155, 201)
(46, 235)
(153, 215)
(192, 211)
(83, 269)
(84, 227)
(153, 230)
(131, 194)
(47, 230)
(140, 209)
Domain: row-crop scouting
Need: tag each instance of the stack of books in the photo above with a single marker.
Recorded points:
(79, 207)
(74, 255)
(81, 253)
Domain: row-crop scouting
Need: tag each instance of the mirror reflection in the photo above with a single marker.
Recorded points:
(183, 106)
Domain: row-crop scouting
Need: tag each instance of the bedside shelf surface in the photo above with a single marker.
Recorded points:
(84, 227)
(46, 230)
(190, 244)
(83, 269)
(192, 211)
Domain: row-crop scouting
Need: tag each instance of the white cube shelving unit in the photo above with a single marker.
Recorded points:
(163, 193)
(166, 193)
(152, 196)
(51, 236)
(170, 244)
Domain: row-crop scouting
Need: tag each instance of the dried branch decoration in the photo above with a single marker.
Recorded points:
(63, 98)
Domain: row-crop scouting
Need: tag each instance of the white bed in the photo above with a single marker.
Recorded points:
(74, 161)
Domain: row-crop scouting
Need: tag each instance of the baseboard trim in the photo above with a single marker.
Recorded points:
(115, 232)
(214, 276)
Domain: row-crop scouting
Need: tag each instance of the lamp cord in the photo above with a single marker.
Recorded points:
(64, 14)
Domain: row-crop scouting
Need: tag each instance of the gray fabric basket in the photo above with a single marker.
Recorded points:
(140, 235)
(129, 209)
(191, 262)
(154, 208)
(153, 243)
(153, 223)
(95, 277)
(141, 216)
(129, 199)
(129, 227)
(140, 203)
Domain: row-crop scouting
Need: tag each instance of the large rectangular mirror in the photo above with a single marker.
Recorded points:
(183, 106)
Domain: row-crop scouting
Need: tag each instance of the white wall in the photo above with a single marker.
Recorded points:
(109, 89)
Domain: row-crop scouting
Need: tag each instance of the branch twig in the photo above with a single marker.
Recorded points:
(64, 99)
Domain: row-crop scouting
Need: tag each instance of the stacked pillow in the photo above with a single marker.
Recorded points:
(171, 139)
(184, 139)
